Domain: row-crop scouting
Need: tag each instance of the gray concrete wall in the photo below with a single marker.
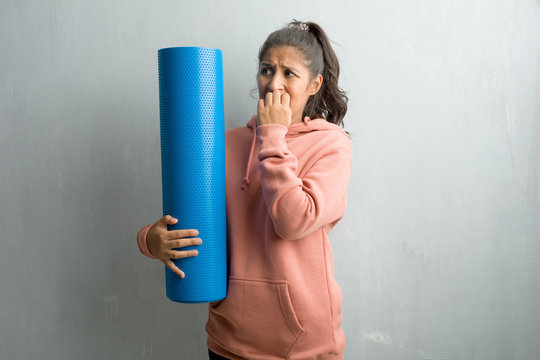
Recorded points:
(438, 254)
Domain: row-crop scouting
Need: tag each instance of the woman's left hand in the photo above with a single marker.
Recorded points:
(275, 109)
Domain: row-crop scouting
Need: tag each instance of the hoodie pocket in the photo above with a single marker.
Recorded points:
(256, 317)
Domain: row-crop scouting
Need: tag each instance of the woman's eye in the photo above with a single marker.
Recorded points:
(287, 72)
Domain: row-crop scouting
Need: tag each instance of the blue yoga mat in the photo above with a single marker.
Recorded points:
(192, 129)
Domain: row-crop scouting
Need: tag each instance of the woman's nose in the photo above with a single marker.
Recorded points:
(276, 83)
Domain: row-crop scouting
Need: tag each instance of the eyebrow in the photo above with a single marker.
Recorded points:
(288, 67)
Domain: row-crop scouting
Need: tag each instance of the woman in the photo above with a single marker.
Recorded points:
(287, 175)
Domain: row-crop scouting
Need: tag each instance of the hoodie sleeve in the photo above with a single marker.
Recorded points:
(141, 241)
(299, 206)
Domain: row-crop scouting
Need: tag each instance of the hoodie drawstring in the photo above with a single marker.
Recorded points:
(245, 182)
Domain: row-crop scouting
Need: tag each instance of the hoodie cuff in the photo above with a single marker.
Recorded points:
(141, 241)
(272, 140)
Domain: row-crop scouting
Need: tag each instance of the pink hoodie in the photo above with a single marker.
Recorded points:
(283, 301)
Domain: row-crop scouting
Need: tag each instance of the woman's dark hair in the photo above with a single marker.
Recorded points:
(330, 102)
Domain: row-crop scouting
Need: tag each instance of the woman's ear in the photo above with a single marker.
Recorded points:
(316, 84)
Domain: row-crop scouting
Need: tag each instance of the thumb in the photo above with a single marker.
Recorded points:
(168, 219)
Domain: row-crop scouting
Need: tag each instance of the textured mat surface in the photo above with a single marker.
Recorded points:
(192, 130)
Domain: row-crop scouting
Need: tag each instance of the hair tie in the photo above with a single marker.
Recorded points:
(301, 26)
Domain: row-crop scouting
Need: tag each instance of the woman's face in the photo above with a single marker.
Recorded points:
(282, 68)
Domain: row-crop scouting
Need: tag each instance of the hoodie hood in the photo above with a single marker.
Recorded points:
(306, 126)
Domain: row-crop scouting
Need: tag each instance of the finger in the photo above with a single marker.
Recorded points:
(260, 105)
(183, 233)
(173, 254)
(286, 100)
(184, 242)
(170, 264)
(268, 98)
(277, 97)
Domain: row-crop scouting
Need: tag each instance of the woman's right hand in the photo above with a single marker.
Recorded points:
(161, 242)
